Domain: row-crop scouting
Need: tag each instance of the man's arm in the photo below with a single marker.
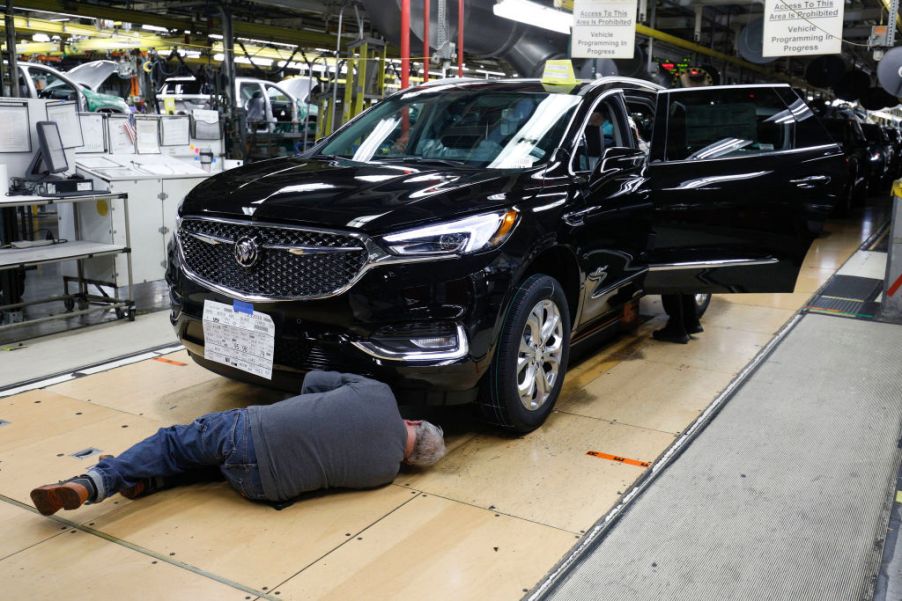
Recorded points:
(324, 381)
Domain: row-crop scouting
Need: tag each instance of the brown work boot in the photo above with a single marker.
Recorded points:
(144, 487)
(70, 494)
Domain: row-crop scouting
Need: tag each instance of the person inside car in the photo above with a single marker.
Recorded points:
(342, 431)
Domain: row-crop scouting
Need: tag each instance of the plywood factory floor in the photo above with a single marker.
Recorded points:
(486, 523)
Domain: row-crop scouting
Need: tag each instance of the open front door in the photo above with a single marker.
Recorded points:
(742, 179)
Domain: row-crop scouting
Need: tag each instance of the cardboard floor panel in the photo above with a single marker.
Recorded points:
(792, 301)
(40, 414)
(812, 278)
(826, 257)
(435, 549)
(49, 460)
(647, 394)
(77, 566)
(22, 529)
(725, 314)
(212, 527)
(135, 388)
(720, 349)
(525, 477)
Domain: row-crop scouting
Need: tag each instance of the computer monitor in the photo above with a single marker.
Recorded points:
(50, 155)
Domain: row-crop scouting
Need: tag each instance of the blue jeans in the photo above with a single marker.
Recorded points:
(220, 439)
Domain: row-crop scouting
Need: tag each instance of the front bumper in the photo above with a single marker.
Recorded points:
(462, 296)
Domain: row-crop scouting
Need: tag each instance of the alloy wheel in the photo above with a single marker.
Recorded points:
(539, 355)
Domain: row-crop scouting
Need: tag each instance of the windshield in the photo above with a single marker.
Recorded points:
(476, 128)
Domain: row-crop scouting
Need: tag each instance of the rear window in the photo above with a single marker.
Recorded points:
(872, 132)
(730, 123)
(837, 129)
(720, 123)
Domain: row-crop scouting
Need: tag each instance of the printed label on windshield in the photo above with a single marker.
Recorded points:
(239, 338)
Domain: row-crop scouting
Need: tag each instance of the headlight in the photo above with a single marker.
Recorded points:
(464, 236)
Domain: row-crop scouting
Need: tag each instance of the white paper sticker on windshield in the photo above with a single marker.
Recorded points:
(239, 337)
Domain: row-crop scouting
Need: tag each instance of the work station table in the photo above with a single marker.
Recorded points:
(77, 250)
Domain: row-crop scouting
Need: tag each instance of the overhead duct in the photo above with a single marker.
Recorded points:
(751, 43)
(524, 47)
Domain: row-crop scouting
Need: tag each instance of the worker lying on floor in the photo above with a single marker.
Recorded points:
(343, 431)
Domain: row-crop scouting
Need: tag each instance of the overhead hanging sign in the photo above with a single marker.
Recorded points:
(604, 29)
(798, 27)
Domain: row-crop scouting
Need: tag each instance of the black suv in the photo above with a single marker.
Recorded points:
(457, 238)
(848, 134)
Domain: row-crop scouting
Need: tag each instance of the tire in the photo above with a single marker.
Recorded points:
(862, 192)
(537, 301)
(844, 206)
(701, 304)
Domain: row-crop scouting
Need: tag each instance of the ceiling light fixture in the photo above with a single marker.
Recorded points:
(533, 13)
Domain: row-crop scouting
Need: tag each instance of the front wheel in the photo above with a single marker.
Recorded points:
(527, 372)
(701, 303)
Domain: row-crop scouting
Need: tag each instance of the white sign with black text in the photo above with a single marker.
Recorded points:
(798, 27)
(604, 29)
(239, 337)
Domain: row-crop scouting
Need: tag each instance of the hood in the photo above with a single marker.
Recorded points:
(97, 101)
(299, 87)
(372, 197)
(92, 74)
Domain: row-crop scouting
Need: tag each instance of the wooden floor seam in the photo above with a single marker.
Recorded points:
(350, 538)
(614, 422)
(133, 547)
(490, 509)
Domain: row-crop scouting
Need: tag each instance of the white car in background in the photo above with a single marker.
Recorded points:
(267, 104)
(105, 77)
(41, 81)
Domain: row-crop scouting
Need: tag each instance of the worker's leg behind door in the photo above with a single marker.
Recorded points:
(675, 330)
(171, 452)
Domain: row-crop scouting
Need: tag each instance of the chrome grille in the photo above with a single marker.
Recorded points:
(321, 264)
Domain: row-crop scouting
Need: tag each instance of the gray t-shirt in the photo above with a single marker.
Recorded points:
(343, 431)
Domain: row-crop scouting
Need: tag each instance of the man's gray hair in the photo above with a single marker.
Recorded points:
(429, 445)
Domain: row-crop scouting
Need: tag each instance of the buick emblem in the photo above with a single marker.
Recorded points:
(247, 253)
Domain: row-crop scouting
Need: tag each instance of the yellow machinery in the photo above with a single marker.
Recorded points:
(364, 85)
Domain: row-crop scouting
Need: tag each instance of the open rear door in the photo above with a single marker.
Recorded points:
(742, 179)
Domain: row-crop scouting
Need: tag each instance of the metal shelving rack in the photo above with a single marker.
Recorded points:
(76, 250)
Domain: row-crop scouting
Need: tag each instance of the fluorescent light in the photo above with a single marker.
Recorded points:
(40, 37)
(533, 13)
(155, 28)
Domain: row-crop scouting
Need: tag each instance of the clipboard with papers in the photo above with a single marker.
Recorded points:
(205, 125)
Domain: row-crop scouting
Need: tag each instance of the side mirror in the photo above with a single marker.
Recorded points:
(613, 160)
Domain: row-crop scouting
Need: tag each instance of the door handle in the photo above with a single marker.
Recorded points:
(811, 181)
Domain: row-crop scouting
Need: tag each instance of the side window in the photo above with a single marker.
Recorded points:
(280, 103)
(720, 123)
(603, 129)
(248, 92)
(49, 85)
(642, 119)
(809, 129)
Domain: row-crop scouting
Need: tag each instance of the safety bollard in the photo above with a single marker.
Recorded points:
(891, 309)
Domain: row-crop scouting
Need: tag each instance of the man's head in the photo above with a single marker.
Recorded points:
(425, 445)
